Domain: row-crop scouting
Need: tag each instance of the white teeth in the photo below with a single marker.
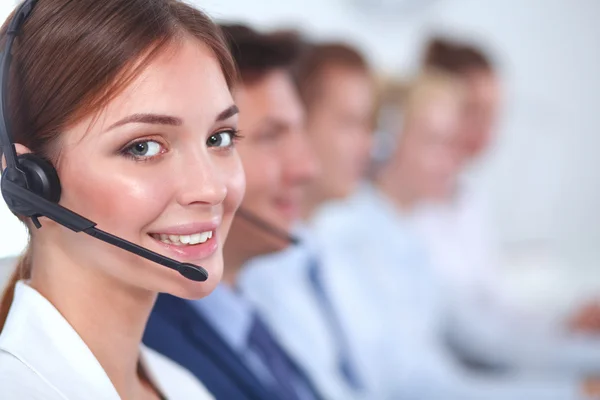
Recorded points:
(182, 240)
(185, 239)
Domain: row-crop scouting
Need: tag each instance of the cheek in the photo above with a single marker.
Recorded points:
(263, 175)
(111, 198)
(358, 150)
(431, 162)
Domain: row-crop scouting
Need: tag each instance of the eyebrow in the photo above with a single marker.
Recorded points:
(157, 119)
(228, 113)
(274, 124)
(153, 119)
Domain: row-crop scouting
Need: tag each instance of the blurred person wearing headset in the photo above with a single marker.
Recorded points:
(222, 339)
(486, 327)
(293, 290)
(120, 111)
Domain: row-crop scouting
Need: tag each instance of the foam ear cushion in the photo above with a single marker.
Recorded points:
(41, 176)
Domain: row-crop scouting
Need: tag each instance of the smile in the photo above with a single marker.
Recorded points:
(183, 240)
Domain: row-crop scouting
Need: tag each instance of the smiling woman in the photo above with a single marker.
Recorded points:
(130, 102)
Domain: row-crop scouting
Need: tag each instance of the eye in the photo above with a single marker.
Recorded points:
(144, 149)
(270, 136)
(224, 139)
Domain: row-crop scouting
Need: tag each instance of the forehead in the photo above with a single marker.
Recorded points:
(484, 86)
(184, 80)
(438, 114)
(273, 96)
(345, 85)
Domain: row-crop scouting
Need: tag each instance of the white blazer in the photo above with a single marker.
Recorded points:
(43, 357)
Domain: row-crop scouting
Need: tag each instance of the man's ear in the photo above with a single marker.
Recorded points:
(20, 150)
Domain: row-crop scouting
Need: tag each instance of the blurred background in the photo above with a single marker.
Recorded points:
(543, 172)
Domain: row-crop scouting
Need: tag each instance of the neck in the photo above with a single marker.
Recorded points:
(389, 181)
(108, 315)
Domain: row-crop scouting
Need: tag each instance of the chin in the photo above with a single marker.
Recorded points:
(279, 246)
(192, 290)
(341, 193)
(271, 244)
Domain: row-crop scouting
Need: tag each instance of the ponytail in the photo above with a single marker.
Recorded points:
(21, 271)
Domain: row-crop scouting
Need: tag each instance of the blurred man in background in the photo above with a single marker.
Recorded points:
(222, 339)
(487, 328)
(476, 71)
(292, 289)
(337, 90)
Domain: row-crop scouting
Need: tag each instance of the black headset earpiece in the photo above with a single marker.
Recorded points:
(37, 176)
(42, 178)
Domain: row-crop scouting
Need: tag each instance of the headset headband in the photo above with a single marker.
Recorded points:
(15, 25)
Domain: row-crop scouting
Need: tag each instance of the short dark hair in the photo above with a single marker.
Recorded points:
(455, 57)
(317, 58)
(257, 53)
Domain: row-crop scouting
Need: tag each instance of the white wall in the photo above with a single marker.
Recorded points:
(544, 173)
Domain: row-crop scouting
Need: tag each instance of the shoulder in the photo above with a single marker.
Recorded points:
(19, 381)
(173, 379)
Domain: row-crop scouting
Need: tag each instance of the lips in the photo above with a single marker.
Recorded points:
(188, 242)
(290, 209)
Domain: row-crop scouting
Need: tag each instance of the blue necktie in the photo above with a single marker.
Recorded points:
(345, 365)
(261, 341)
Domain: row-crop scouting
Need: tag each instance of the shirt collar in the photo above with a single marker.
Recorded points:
(39, 336)
(229, 313)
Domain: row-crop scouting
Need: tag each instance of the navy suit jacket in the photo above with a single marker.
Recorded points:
(176, 330)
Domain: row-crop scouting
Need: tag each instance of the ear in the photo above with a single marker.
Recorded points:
(20, 150)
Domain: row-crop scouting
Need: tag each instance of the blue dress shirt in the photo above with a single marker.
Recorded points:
(241, 328)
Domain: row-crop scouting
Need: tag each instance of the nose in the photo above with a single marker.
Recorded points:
(200, 181)
(301, 162)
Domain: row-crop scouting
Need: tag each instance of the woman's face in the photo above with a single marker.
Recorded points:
(431, 148)
(157, 167)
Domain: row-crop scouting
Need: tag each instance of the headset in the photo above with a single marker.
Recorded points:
(31, 187)
(30, 184)
(267, 226)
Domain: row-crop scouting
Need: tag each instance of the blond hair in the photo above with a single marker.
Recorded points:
(399, 103)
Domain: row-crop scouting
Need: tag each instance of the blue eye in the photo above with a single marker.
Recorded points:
(222, 139)
(144, 149)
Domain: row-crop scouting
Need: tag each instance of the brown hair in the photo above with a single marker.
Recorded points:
(73, 56)
(316, 59)
(256, 53)
(455, 58)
